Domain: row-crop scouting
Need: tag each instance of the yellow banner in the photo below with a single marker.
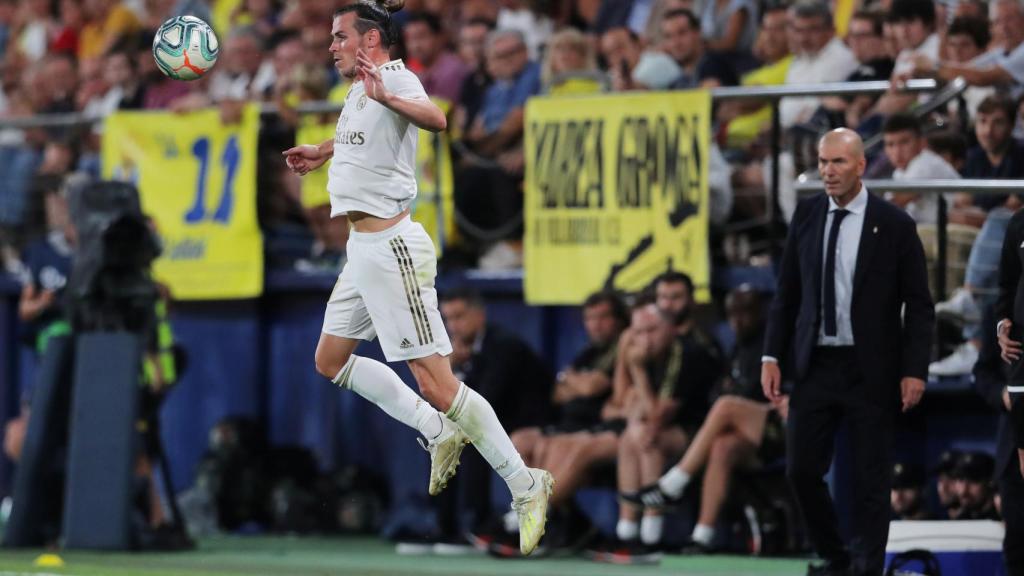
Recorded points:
(428, 166)
(616, 193)
(197, 180)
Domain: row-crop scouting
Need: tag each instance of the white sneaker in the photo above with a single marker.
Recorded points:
(960, 306)
(961, 361)
(532, 509)
(444, 455)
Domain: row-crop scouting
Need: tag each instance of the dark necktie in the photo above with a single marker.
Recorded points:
(830, 272)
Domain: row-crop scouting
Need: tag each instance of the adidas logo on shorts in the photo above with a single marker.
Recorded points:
(405, 344)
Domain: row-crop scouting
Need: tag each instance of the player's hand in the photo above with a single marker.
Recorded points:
(369, 73)
(1009, 350)
(1020, 459)
(771, 381)
(304, 158)
(911, 390)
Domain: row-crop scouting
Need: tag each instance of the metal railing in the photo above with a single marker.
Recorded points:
(936, 186)
(773, 94)
(776, 93)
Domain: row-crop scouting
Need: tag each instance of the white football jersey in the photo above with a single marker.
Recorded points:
(374, 164)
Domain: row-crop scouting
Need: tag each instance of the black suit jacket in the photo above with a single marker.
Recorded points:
(890, 277)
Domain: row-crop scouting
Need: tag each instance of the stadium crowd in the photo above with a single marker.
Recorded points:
(625, 399)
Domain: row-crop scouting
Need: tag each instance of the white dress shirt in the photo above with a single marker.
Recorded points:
(847, 247)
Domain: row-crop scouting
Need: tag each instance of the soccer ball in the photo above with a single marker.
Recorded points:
(185, 48)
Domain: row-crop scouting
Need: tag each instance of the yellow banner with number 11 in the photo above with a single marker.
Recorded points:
(197, 180)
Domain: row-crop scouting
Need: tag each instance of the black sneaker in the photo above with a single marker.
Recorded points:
(651, 496)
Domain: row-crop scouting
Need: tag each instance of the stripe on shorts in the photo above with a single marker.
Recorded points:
(417, 293)
(406, 280)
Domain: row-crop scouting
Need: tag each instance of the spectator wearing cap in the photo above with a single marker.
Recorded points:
(944, 485)
(907, 494)
(441, 72)
(972, 482)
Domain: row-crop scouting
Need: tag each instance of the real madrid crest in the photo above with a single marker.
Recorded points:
(362, 103)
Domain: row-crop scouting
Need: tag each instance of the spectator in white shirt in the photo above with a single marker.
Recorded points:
(913, 24)
(906, 148)
(818, 57)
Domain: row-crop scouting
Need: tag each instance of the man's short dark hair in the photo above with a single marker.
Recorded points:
(910, 10)
(902, 122)
(683, 13)
(996, 103)
(470, 296)
(876, 19)
(431, 21)
(948, 142)
(673, 277)
(975, 28)
(613, 300)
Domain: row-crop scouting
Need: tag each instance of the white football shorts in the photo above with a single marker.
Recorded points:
(386, 289)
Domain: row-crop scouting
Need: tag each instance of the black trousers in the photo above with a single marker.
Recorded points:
(834, 390)
(1011, 491)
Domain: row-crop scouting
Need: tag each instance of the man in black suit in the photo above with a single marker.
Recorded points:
(852, 263)
(1009, 309)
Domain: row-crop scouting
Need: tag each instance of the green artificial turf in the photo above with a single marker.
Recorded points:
(307, 556)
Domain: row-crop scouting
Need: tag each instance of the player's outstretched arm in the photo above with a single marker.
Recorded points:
(421, 112)
(305, 158)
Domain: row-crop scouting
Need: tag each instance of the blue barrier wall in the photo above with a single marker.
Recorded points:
(255, 358)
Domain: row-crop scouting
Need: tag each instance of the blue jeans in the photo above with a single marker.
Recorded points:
(982, 273)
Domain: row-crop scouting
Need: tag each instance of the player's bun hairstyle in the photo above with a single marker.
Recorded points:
(375, 14)
(391, 5)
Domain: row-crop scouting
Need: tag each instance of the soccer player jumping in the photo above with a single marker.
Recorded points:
(386, 288)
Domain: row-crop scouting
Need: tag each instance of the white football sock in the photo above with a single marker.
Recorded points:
(379, 384)
(650, 529)
(674, 482)
(627, 530)
(703, 534)
(477, 418)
